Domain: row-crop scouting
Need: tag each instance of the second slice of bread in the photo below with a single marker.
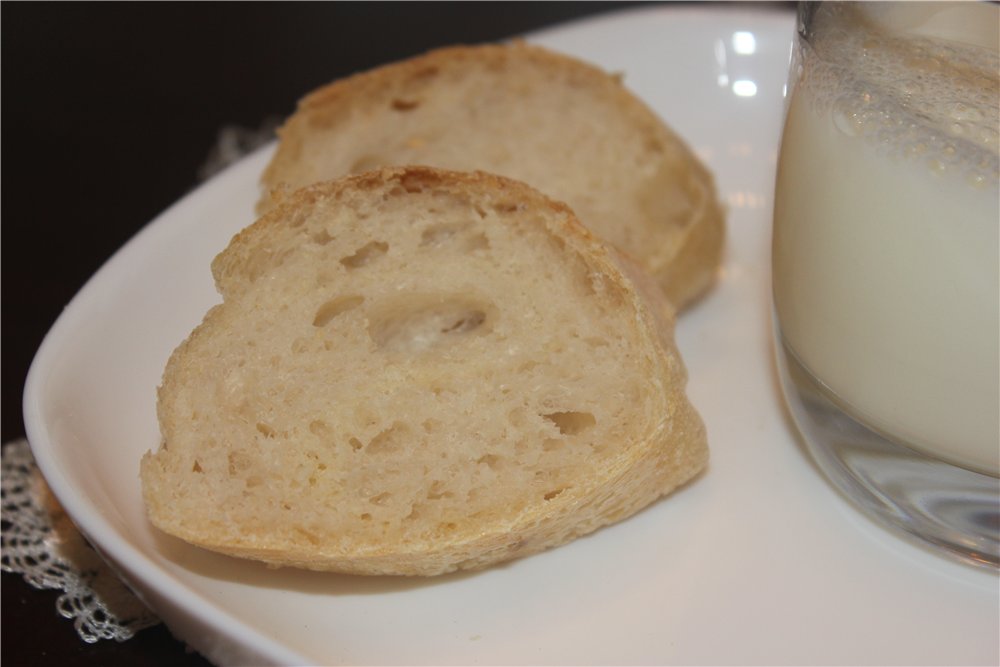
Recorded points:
(564, 127)
(415, 371)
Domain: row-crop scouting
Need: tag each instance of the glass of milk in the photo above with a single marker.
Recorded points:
(885, 262)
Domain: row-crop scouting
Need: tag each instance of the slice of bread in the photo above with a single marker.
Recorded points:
(415, 371)
(562, 126)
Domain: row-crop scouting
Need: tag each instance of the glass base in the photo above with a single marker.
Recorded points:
(944, 506)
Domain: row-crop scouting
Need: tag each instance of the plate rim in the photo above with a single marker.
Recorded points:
(140, 573)
(138, 569)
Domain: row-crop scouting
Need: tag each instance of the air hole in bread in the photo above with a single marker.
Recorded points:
(322, 237)
(441, 390)
(606, 290)
(582, 274)
(491, 461)
(517, 417)
(380, 499)
(506, 206)
(238, 463)
(355, 444)
(527, 366)
(365, 255)
(552, 444)
(413, 324)
(335, 307)
(571, 423)
(320, 428)
(366, 517)
(393, 439)
(414, 182)
(262, 260)
(266, 430)
(438, 491)
(309, 535)
(594, 341)
(325, 276)
(401, 104)
(552, 494)
(442, 234)
(468, 321)
(477, 242)
(461, 235)
(298, 218)
(196, 467)
(366, 162)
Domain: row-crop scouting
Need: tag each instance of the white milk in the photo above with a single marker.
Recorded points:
(886, 248)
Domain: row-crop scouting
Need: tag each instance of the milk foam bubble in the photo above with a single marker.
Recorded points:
(911, 94)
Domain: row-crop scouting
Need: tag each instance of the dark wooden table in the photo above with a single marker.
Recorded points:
(109, 111)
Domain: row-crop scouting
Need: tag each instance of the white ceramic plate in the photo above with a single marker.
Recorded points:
(759, 561)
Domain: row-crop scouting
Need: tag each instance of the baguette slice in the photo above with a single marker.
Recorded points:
(415, 371)
(566, 128)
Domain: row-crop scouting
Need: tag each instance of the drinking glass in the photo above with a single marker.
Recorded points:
(885, 263)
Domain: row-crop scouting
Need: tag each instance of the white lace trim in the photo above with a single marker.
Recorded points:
(40, 543)
(234, 142)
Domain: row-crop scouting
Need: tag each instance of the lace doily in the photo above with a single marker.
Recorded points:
(234, 142)
(40, 543)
